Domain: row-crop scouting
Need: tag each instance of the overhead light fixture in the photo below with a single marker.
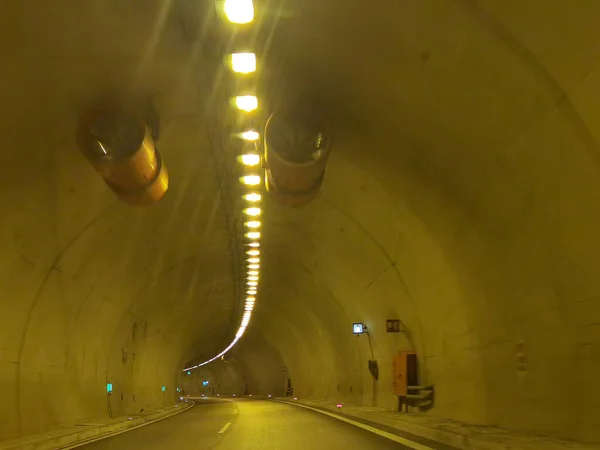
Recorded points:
(253, 260)
(251, 283)
(253, 234)
(250, 299)
(239, 11)
(253, 252)
(253, 266)
(252, 211)
(250, 180)
(251, 292)
(253, 224)
(246, 102)
(254, 244)
(250, 159)
(253, 278)
(250, 135)
(243, 62)
(253, 197)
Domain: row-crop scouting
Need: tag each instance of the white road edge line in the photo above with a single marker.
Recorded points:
(224, 429)
(385, 434)
(106, 436)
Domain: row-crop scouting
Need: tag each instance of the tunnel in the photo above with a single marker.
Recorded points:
(461, 200)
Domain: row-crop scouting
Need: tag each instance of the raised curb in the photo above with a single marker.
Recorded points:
(73, 438)
(496, 441)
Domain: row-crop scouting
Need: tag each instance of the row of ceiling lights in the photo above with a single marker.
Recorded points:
(242, 12)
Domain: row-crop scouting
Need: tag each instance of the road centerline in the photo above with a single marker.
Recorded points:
(224, 429)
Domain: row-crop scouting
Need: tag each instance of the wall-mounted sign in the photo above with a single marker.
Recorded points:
(108, 388)
(164, 389)
(393, 326)
(358, 328)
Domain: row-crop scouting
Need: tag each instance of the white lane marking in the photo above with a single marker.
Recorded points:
(109, 435)
(224, 429)
(385, 434)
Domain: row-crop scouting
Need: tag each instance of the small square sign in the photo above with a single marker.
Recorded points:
(392, 326)
(358, 328)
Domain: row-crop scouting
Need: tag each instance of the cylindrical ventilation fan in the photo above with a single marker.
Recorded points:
(297, 146)
(120, 146)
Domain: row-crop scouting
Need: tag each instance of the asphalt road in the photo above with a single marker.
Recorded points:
(248, 425)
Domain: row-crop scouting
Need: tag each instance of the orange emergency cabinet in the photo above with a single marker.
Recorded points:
(405, 372)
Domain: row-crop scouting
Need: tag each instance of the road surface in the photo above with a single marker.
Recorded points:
(244, 424)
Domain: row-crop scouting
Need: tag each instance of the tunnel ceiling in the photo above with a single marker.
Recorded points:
(461, 197)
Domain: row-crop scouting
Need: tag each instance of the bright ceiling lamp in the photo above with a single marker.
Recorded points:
(250, 135)
(243, 62)
(250, 299)
(250, 180)
(250, 159)
(253, 197)
(253, 234)
(251, 283)
(253, 260)
(250, 292)
(253, 278)
(246, 102)
(253, 224)
(254, 266)
(253, 252)
(239, 11)
(252, 211)
(253, 272)
(254, 244)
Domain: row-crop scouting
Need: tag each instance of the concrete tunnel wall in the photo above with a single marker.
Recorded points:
(461, 197)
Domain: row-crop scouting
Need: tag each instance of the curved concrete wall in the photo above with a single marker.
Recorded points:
(462, 197)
